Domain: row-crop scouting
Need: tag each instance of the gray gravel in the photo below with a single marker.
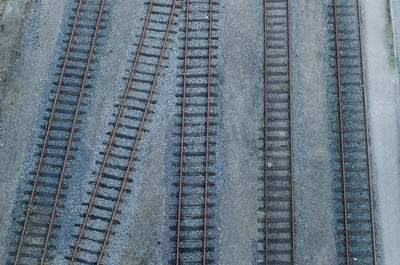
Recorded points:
(68, 208)
(146, 232)
(12, 14)
(242, 110)
(142, 236)
(312, 180)
(110, 50)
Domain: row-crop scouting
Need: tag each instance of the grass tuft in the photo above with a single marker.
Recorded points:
(389, 32)
(392, 61)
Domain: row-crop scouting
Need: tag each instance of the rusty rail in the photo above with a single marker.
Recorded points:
(342, 145)
(209, 85)
(47, 136)
(182, 135)
(76, 249)
(291, 133)
(72, 131)
(134, 150)
(266, 166)
(207, 136)
(366, 133)
(132, 158)
(266, 125)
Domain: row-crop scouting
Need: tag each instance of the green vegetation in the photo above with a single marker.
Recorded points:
(392, 61)
(389, 32)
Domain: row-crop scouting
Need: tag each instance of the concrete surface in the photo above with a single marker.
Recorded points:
(382, 84)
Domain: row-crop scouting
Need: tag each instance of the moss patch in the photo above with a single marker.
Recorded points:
(285, 87)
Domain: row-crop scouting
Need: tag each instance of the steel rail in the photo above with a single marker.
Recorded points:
(47, 136)
(207, 135)
(134, 150)
(182, 134)
(128, 88)
(290, 131)
(366, 133)
(266, 125)
(342, 145)
(16, 46)
(72, 131)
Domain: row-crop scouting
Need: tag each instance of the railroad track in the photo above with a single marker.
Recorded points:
(62, 124)
(277, 224)
(102, 209)
(352, 180)
(193, 228)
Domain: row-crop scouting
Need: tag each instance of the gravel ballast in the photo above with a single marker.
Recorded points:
(146, 227)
